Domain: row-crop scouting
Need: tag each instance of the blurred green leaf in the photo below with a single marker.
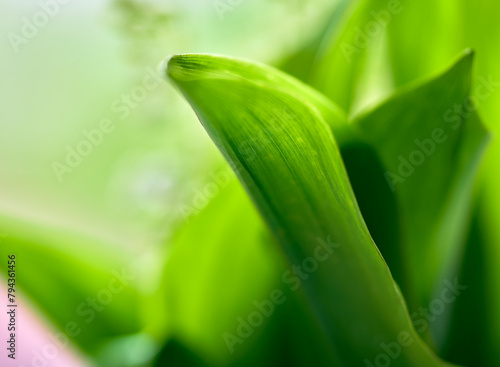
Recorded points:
(340, 63)
(431, 45)
(300, 63)
(175, 354)
(81, 287)
(219, 265)
(468, 340)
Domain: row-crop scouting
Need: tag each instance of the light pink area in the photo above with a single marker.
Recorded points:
(36, 344)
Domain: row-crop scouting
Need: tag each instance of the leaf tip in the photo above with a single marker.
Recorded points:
(185, 67)
(469, 52)
(462, 68)
(163, 65)
(170, 67)
(467, 57)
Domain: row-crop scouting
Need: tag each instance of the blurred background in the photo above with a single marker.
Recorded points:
(135, 244)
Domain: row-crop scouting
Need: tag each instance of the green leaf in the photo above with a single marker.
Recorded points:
(175, 354)
(59, 271)
(342, 61)
(470, 341)
(301, 63)
(220, 263)
(430, 156)
(297, 180)
(432, 45)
